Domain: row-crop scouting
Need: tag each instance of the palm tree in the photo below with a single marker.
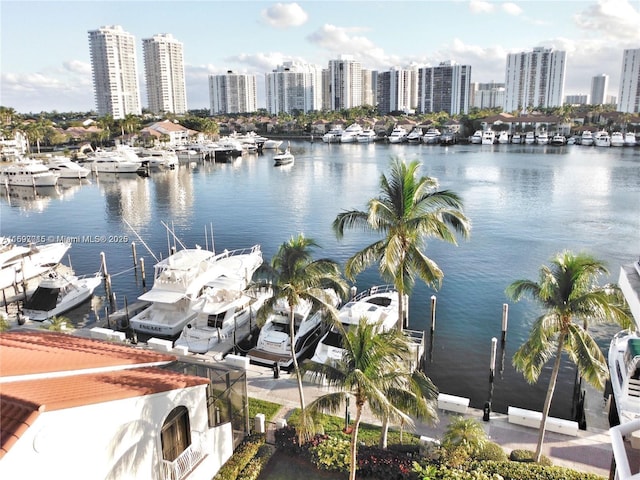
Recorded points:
(407, 212)
(368, 368)
(296, 277)
(567, 291)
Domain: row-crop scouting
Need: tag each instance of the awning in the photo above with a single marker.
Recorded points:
(160, 296)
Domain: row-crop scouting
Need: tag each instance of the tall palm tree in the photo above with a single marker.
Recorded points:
(408, 210)
(567, 291)
(296, 277)
(368, 368)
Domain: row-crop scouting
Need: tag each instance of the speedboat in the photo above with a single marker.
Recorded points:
(617, 139)
(178, 281)
(367, 135)
(586, 138)
(58, 293)
(488, 137)
(67, 168)
(350, 135)
(225, 306)
(503, 138)
(398, 135)
(558, 140)
(29, 173)
(602, 139)
(274, 342)
(476, 138)
(431, 136)
(379, 305)
(415, 135)
(20, 263)
(284, 158)
(530, 138)
(630, 139)
(333, 136)
(543, 138)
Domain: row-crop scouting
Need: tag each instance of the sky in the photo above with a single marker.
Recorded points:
(45, 63)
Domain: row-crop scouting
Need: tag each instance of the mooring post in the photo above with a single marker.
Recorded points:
(133, 253)
(433, 313)
(505, 319)
(142, 274)
(492, 367)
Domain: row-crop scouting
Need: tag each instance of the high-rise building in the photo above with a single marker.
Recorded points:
(115, 72)
(534, 79)
(577, 99)
(599, 85)
(445, 88)
(294, 86)
(164, 73)
(487, 95)
(369, 83)
(397, 90)
(345, 83)
(232, 93)
(629, 95)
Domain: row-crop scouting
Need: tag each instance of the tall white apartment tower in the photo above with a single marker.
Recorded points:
(345, 83)
(294, 86)
(397, 90)
(232, 93)
(534, 79)
(599, 85)
(164, 73)
(629, 96)
(445, 88)
(115, 72)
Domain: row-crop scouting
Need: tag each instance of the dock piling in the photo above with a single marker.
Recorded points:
(505, 320)
(433, 313)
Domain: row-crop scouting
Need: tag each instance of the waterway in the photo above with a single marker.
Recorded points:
(525, 202)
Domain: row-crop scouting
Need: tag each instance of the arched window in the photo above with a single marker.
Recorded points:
(176, 434)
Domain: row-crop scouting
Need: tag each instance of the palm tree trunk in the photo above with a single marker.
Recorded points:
(547, 400)
(354, 442)
(385, 432)
(400, 309)
(296, 368)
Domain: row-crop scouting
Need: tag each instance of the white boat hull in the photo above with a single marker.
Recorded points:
(81, 291)
(21, 263)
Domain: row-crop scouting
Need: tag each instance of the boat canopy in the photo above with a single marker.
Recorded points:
(43, 299)
(161, 296)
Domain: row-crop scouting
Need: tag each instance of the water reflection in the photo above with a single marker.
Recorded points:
(29, 199)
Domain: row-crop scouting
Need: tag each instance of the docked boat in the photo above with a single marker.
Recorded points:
(447, 138)
(516, 138)
(415, 135)
(350, 134)
(58, 293)
(488, 137)
(558, 140)
(284, 158)
(503, 138)
(20, 263)
(225, 307)
(379, 305)
(120, 160)
(431, 136)
(617, 139)
(271, 144)
(530, 138)
(630, 139)
(227, 149)
(333, 136)
(602, 139)
(159, 158)
(29, 173)
(274, 342)
(543, 138)
(398, 135)
(586, 139)
(66, 168)
(178, 281)
(476, 138)
(366, 136)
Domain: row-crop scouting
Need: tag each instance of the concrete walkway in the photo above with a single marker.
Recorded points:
(589, 452)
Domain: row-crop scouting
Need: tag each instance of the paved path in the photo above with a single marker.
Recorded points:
(589, 452)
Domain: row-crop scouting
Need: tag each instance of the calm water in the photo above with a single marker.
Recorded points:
(526, 203)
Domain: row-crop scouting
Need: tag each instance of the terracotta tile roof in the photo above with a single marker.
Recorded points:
(27, 353)
(15, 418)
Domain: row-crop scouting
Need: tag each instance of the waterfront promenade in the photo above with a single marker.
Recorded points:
(589, 452)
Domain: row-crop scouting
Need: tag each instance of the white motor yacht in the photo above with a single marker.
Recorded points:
(398, 135)
(617, 139)
(503, 138)
(558, 140)
(543, 138)
(66, 168)
(488, 137)
(415, 135)
(630, 139)
(159, 158)
(586, 138)
(274, 342)
(29, 173)
(476, 138)
(271, 144)
(366, 136)
(431, 136)
(333, 136)
(58, 293)
(516, 138)
(378, 304)
(350, 134)
(19, 263)
(602, 139)
(284, 158)
(530, 138)
(120, 160)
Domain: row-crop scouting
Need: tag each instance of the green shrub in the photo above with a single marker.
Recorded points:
(240, 458)
(253, 469)
(491, 451)
(532, 471)
(332, 454)
(527, 456)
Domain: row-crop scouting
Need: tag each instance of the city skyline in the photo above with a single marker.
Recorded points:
(45, 59)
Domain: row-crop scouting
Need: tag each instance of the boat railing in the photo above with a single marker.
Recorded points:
(186, 461)
(373, 291)
(239, 251)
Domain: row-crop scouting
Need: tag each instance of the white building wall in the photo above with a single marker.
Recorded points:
(117, 440)
(629, 93)
(293, 86)
(599, 86)
(232, 93)
(164, 72)
(345, 76)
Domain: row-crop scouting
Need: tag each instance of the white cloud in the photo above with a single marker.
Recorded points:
(478, 6)
(339, 40)
(76, 66)
(285, 15)
(511, 8)
(615, 20)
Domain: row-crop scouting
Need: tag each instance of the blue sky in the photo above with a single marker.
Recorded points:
(45, 64)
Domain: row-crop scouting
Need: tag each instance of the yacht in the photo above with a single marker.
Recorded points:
(431, 136)
(58, 293)
(476, 138)
(530, 138)
(379, 305)
(503, 138)
(516, 138)
(366, 136)
(488, 137)
(66, 168)
(333, 136)
(115, 161)
(270, 144)
(19, 263)
(415, 135)
(558, 140)
(350, 135)
(617, 139)
(543, 138)
(398, 135)
(178, 281)
(227, 149)
(630, 139)
(159, 158)
(226, 306)
(274, 342)
(602, 139)
(29, 173)
(586, 138)
(284, 158)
